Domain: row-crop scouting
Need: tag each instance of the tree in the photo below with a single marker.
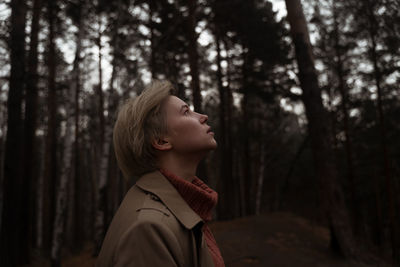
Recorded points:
(30, 126)
(226, 210)
(193, 55)
(331, 194)
(13, 201)
(106, 146)
(66, 167)
(50, 165)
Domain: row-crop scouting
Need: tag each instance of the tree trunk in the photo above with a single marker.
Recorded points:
(286, 181)
(348, 142)
(39, 196)
(194, 73)
(78, 181)
(100, 87)
(152, 47)
(194, 56)
(379, 233)
(101, 192)
(2, 149)
(225, 184)
(60, 216)
(12, 194)
(69, 235)
(50, 172)
(66, 168)
(30, 124)
(101, 199)
(260, 179)
(234, 176)
(113, 183)
(331, 194)
(247, 174)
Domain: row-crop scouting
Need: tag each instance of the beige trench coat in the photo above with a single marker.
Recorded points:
(153, 227)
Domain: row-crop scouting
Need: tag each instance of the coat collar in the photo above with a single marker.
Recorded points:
(158, 185)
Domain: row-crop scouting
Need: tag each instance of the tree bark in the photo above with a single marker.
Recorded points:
(260, 179)
(152, 46)
(39, 196)
(379, 232)
(78, 181)
(229, 153)
(71, 107)
(30, 124)
(247, 174)
(101, 192)
(286, 181)
(61, 201)
(101, 199)
(100, 87)
(194, 73)
(225, 183)
(12, 194)
(194, 56)
(331, 194)
(50, 171)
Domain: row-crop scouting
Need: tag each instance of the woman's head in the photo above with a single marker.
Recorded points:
(155, 123)
(140, 121)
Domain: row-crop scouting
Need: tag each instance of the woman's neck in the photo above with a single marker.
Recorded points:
(182, 166)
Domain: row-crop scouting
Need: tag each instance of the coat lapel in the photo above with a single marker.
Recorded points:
(158, 185)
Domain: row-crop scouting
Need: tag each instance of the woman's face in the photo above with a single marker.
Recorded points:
(188, 131)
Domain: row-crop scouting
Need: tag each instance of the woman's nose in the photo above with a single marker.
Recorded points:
(203, 118)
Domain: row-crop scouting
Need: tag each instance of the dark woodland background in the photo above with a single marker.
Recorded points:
(308, 129)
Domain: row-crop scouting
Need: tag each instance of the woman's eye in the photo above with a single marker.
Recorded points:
(186, 112)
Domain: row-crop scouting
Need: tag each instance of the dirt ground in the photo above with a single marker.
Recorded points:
(274, 239)
(279, 239)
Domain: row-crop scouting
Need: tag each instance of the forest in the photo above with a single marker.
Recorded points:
(303, 97)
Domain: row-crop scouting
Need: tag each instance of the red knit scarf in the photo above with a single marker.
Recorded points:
(202, 200)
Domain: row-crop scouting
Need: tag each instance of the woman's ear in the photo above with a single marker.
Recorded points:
(161, 144)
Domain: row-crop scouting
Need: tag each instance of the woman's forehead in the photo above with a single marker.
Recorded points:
(175, 102)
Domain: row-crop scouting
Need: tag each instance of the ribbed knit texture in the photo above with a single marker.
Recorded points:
(202, 199)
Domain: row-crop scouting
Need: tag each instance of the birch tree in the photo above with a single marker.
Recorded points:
(66, 167)
(100, 195)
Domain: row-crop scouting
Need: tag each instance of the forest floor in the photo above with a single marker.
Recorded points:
(277, 239)
(280, 239)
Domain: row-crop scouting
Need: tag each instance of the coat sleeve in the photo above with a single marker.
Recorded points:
(148, 244)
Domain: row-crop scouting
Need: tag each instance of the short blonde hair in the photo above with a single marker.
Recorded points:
(141, 120)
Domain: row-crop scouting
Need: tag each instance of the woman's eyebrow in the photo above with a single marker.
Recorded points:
(184, 106)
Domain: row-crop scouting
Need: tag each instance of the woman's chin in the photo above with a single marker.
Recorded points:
(215, 145)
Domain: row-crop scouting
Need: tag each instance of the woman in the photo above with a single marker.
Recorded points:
(163, 218)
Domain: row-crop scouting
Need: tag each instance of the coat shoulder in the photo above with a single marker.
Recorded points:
(154, 210)
(152, 207)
